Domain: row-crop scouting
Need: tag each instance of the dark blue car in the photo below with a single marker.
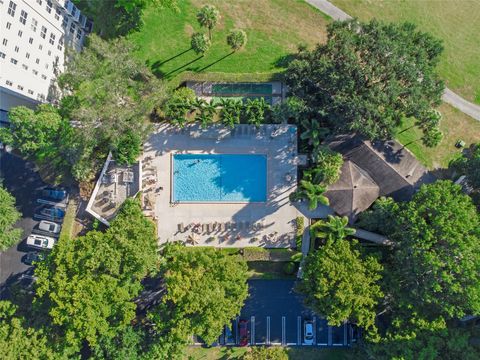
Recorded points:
(54, 193)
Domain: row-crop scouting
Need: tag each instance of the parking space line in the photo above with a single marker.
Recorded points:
(268, 330)
(283, 330)
(345, 333)
(314, 330)
(252, 330)
(329, 335)
(299, 330)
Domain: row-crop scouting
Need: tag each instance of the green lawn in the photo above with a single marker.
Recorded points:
(457, 23)
(234, 353)
(455, 126)
(274, 27)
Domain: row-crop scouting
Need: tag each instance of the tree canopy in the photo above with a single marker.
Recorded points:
(208, 17)
(341, 284)
(87, 285)
(205, 290)
(469, 165)
(9, 215)
(237, 39)
(17, 340)
(436, 267)
(111, 97)
(368, 77)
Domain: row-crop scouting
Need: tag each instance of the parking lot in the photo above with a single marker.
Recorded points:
(21, 180)
(276, 316)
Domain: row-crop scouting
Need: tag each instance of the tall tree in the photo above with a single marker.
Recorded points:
(469, 165)
(436, 264)
(200, 43)
(368, 77)
(341, 284)
(208, 17)
(9, 215)
(204, 291)
(87, 285)
(113, 95)
(237, 39)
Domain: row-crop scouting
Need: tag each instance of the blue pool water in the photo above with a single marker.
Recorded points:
(219, 178)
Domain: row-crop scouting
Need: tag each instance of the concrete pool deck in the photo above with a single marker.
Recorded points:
(268, 224)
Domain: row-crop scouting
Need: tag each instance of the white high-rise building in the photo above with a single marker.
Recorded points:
(33, 37)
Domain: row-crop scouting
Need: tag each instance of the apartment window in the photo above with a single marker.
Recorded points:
(52, 39)
(74, 11)
(39, 2)
(46, 66)
(49, 52)
(59, 47)
(49, 6)
(20, 33)
(30, 92)
(65, 22)
(2, 55)
(27, 55)
(43, 32)
(72, 28)
(37, 61)
(34, 25)
(44, 77)
(9, 25)
(30, 40)
(17, 48)
(25, 67)
(9, 83)
(5, 41)
(23, 17)
(35, 72)
(20, 87)
(11, 8)
(13, 61)
(40, 47)
(57, 14)
(79, 34)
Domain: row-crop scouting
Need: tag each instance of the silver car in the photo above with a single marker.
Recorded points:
(308, 332)
(49, 226)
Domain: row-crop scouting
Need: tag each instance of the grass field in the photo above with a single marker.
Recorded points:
(457, 23)
(234, 353)
(455, 126)
(274, 28)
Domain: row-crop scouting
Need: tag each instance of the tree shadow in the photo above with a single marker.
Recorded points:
(284, 61)
(215, 62)
(182, 67)
(159, 63)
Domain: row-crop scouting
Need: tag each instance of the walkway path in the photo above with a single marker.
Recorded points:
(449, 96)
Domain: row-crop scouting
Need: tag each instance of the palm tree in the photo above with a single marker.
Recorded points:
(177, 112)
(208, 17)
(255, 111)
(230, 112)
(313, 132)
(313, 193)
(206, 113)
(335, 228)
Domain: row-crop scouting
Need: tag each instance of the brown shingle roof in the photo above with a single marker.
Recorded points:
(395, 171)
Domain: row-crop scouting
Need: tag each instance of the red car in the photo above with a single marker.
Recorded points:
(243, 332)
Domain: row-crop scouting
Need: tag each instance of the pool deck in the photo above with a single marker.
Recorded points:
(268, 224)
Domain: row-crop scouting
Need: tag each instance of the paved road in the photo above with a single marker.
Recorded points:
(449, 96)
(20, 179)
(276, 314)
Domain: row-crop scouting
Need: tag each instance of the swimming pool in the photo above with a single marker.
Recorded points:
(219, 178)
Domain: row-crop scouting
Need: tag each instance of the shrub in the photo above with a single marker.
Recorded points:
(300, 227)
(289, 268)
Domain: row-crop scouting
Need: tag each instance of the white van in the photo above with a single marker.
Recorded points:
(49, 226)
(40, 242)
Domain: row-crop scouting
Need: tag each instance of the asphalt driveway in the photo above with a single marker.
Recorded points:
(20, 179)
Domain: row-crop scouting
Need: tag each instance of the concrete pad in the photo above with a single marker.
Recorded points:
(276, 216)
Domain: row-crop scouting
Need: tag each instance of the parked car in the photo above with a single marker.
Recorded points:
(54, 193)
(40, 242)
(243, 332)
(33, 256)
(49, 226)
(308, 332)
(49, 212)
